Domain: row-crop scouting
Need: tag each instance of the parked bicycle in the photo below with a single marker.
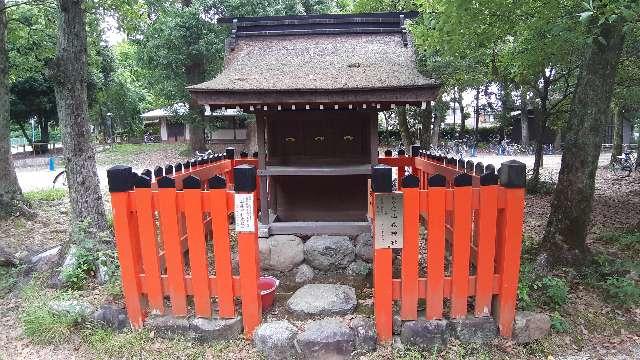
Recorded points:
(625, 164)
(60, 180)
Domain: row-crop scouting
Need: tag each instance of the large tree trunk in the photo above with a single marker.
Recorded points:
(566, 229)
(618, 132)
(11, 199)
(524, 118)
(252, 136)
(426, 119)
(69, 75)
(477, 117)
(403, 124)
(43, 124)
(194, 73)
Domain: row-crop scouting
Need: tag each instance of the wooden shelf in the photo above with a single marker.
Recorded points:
(322, 170)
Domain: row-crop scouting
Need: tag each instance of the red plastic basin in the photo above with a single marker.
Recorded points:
(267, 286)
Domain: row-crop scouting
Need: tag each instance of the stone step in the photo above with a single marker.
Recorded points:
(313, 300)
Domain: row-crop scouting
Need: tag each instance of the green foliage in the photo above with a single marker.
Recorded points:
(534, 291)
(39, 324)
(558, 323)
(628, 241)
(555, 291)
(88, 252)
(46, 195)
(622, 291)
(615, 278)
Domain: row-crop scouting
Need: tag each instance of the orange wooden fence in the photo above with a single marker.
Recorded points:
(173, 239)
(473, 222)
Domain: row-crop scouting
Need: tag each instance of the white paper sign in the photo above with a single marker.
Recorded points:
(244, 216)
(388, 221)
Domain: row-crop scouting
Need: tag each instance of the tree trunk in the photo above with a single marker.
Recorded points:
(43, 124)
(618, 132)
(24, 133)
(435, 133)
(524, 118)
(463, 118)
(542, 116)
(11, 199)
(477, 117)
(426, 119)
(566, 228)
(403, 124)
(69, 75)
(557, 142)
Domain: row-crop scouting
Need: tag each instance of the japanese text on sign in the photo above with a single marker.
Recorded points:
(388, 221)
(244, 213)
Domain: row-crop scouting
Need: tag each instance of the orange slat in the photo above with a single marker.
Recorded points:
(149, 245)
(218, 204)
(173, 250)
(197, 252)
(409, 304)
(435, 252)
(130, 285)
(486, 248)
(461, 251)
(509, 267)
(249, 274)
(422, 286)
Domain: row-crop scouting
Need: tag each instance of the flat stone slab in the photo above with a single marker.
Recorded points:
(326, 339)
(424, 333)
(168, 326)
(216, 329)
(281, 252)
(276, 340)
(323, 300)
(474, 330)
(364, 330)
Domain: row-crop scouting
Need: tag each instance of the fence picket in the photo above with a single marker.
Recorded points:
(410, 250)
(172, 245)
(222, 246)
(462, 199)
(197, 247)
(435, 246)
(149, 245)
(486, 230)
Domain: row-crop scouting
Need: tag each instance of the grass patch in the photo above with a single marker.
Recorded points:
(46, 195)
(126, 153)
(8, 279)
(40, 324)
(107, 344)
(617, 279)
(627, 241)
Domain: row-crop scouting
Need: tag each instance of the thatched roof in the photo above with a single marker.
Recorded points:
(352, 61)
(318, 57)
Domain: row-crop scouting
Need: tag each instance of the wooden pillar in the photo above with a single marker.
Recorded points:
(261, 124)
(373, 135)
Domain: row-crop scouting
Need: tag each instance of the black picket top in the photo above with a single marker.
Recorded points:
(437, 180)
(244, 177)
(490, 169)
(388, 153)
(489, 179)
(143, 182)
(147, 173)
(410, 181)
(513, 174)
(479, 169)
(462, 179)
(166, 182)
(217, 182)
(120, 178)
(191, 182)
(158, 171)
(381, 179)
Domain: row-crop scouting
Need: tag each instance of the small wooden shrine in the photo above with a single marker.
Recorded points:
(316, 84)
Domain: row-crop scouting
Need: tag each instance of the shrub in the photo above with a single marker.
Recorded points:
(8, 279)
(46, 195)
(558, 323)
(625, 240)
(555, 290)
(622, 291)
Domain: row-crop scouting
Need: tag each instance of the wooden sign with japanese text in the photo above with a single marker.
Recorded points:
(388, 221)
(244, 213)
